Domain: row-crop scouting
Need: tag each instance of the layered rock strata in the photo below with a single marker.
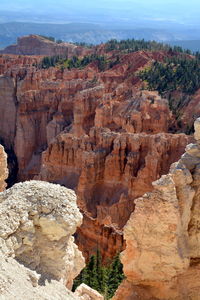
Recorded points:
(161, 259)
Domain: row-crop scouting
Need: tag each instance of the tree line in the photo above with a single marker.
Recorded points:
(75, 62)
(104, 279)
(132, 45)
(180, 73)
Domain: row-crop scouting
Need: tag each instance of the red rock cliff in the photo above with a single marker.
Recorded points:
(38, 45)
(103, 137)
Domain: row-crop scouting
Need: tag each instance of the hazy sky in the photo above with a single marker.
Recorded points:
(60, 4)
(179, 11)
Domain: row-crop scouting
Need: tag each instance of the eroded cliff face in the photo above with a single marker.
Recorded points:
(108, 170)
(37, 104)
(104, 137)
(161, 259)
(3, 168)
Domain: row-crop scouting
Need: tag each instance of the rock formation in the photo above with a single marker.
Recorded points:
(39, 258)
(108, 170)
(18, 282)
(105, 138)
(161, 259)
(3, 168)
(102, 134)
(84, 292)
(38, 45)
(37, 104)
(37, 223)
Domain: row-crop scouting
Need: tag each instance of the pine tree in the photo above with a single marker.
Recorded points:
(115, 276)
(104, 279)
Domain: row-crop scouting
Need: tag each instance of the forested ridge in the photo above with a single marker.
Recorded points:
(180, 73)
(132, 45)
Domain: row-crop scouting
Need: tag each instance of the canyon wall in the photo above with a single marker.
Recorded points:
(103, 136)
(108, 171)
(37, 104)
(161, 259)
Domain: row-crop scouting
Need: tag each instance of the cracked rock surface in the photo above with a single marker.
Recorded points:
(38, 255)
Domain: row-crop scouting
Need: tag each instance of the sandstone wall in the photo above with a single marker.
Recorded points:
(108, 170)
(162, 235)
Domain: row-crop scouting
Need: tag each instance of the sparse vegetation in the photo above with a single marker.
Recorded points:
(76, 62)
(177, 79)
(59, 41)
(83, 44)
(50, 38)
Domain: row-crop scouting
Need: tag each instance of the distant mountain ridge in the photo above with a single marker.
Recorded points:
(193, 45)
(78, 32)
(94, 34)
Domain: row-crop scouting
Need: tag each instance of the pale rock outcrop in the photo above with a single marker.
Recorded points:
(84, 292)
(37, 221)
(3, 168)
(162, 254)
(18, 282)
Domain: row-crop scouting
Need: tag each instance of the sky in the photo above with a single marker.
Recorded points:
(175, 11)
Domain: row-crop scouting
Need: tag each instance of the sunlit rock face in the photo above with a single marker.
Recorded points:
(38, 256)
(3, 168)
(162, 252)
(38, 220)
(84, 292)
